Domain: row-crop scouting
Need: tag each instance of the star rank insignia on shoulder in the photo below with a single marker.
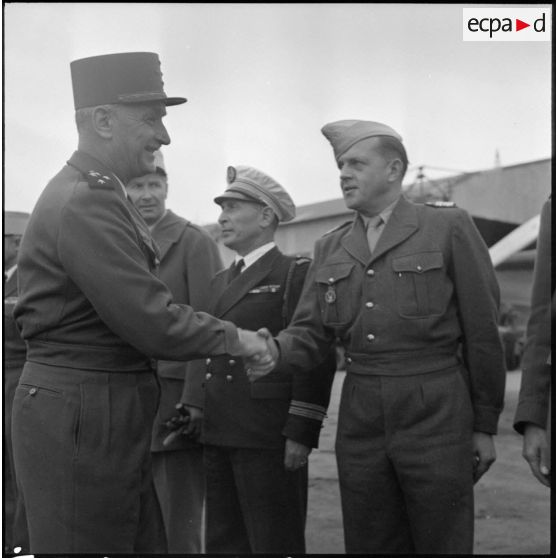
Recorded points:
(439, 203)
(97, 180)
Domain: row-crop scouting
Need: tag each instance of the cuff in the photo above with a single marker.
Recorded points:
(486, 419)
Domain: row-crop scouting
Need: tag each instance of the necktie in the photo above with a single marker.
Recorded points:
(236, 269)
(373, 231)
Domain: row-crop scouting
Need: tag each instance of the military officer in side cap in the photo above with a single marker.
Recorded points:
(411, 293)
(15, 534)
(257, 437)
(94, 315)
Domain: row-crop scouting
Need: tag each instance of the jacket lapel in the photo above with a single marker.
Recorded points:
(355, 241)
(247, 280)
(168, 231)
(402, 223)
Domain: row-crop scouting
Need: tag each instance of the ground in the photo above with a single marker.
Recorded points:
(512, 509)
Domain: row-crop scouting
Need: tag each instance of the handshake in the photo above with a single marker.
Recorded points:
(259, 351)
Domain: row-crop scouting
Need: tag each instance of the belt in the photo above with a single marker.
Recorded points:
(88, 357)
(408, 363)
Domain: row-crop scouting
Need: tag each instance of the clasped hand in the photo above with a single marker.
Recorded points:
(259, 352)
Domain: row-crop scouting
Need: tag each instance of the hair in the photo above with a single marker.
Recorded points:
(389, 146)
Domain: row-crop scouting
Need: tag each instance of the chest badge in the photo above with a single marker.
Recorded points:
(330, 296)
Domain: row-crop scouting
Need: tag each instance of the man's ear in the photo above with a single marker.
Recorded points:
(268, 216)
(102, 120)
(395, 170)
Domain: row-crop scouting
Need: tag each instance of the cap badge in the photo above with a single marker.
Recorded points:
(231, 174)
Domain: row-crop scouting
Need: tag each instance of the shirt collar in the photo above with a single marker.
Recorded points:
(254, 255)
(385, 214)
(8, 274)
(151, 227)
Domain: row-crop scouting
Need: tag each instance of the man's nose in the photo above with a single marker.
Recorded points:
(162, 135)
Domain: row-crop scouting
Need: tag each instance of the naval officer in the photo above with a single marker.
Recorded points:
(257, 437)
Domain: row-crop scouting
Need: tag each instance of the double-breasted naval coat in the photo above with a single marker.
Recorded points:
(246, 424)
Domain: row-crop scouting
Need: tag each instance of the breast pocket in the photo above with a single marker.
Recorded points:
(337, 293)
(419, 281)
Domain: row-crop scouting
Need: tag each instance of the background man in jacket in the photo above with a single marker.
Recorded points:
(15, 525)
(533, 415)
(189, 259)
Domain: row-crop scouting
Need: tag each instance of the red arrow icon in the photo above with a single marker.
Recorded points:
(519, 25)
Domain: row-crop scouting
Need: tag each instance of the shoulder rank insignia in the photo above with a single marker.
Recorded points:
(98, 180)
(440, 203)
(302, 259)
(338, 227)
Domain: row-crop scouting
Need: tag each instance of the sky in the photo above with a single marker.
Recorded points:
(262, 79)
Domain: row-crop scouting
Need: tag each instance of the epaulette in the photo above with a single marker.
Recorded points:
(97, 180)
(338, 227)
(440, 203)
(302, 259)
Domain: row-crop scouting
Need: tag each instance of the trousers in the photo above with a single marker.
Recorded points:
(253, 505)
(405, 461)
(81, 444)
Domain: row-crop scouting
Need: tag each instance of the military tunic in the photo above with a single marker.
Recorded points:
(418, 320)
(94, 316)
(253, 504)
(189, 260)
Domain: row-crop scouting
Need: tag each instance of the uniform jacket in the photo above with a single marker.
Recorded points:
(427, 294)
(14, 346)
(533, 405)
(88, 294)
(189, 260)
(261, 414)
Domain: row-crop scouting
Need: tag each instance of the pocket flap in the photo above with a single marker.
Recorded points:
(418, 263)
(270, 390)
(332, 273)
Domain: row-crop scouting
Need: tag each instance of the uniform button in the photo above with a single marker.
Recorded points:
(208, 376)
(370, 272)
(349, 360)
(33, 391)
(419, 267)
(331, 280)
(370, 337)
(369, 305)
(232, 362)
(229, 378)
(207, 361)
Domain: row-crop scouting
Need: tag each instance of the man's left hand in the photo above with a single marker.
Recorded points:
(484, 454)
(296, 455)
